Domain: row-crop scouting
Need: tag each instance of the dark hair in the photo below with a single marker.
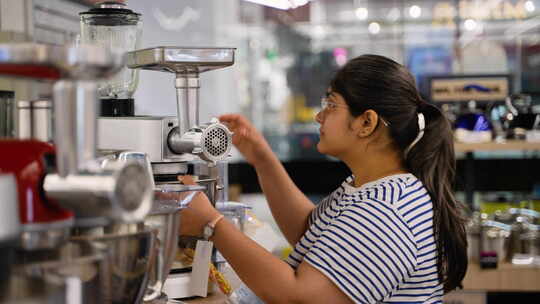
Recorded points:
(386, 87)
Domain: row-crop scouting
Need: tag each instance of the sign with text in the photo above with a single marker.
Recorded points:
(467, 88)
(445, 12)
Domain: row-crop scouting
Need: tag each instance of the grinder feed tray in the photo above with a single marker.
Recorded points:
(180, 59)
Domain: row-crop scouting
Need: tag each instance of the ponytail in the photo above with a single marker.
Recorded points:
(432, 160)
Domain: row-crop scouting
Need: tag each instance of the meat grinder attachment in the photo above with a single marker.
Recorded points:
(211, 141)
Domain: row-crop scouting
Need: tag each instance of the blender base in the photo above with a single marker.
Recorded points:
(178, 286)
(117, 107)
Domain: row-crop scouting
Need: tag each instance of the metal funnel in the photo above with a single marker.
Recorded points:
(187, 63)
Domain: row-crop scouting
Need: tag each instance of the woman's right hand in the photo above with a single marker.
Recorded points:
(247, 139)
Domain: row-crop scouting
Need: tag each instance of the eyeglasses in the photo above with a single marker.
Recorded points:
(327, 105)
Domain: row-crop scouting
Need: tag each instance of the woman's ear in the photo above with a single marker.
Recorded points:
(365, 124)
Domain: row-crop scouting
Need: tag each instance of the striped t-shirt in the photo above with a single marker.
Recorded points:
(375, 242)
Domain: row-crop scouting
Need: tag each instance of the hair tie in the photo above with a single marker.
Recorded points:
(421, 127)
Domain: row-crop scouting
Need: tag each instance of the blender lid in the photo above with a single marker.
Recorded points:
(111, 4)
(110, 7)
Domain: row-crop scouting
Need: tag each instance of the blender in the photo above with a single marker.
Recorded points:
(112, 25)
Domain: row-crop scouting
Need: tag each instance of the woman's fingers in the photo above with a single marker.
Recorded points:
(186, 179)
(235, 121)
(238, 124)
(230, 119)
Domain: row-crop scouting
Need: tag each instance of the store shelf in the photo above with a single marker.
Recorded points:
(495, 146)
(506, 277)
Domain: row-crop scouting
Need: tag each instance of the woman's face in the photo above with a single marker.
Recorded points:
(336, 135)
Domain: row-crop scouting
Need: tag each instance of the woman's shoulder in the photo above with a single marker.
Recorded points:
(388, 190)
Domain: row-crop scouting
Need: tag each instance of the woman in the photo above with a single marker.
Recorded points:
(392, 232)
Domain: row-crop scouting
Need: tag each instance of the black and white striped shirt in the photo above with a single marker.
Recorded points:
(375, 242)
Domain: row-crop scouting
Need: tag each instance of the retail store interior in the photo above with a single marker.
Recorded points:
(138, 115)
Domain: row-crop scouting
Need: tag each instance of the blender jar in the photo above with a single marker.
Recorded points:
(111, 24)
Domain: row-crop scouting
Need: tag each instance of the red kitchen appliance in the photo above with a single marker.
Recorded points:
(44, 223)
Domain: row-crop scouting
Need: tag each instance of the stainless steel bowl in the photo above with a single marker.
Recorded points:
(74, 273)
(129, 258)
(168, 201)
(27, 290)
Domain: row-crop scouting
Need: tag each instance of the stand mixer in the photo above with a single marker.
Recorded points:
(68, 172)
(63, 188)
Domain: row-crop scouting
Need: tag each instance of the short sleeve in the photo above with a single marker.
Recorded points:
(319, 209)
(326, 203)
(364, 252)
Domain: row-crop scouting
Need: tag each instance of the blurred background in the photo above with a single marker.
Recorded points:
(478, 60)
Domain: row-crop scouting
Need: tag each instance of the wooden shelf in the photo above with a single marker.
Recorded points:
(506, 277)
(517, 145)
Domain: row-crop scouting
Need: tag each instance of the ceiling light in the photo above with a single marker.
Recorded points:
(319, 32)
(394, 14)
(361, 13)
(470, 24)
(415, 11)
(529, 6)
(374, 28)
(281, 4)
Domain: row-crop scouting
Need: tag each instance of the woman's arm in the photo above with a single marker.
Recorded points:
(289, 206)
(270, 278)
(273, 280)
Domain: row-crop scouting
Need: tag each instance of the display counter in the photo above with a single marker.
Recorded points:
(510, 145)
(506, 277)
(506, 284)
